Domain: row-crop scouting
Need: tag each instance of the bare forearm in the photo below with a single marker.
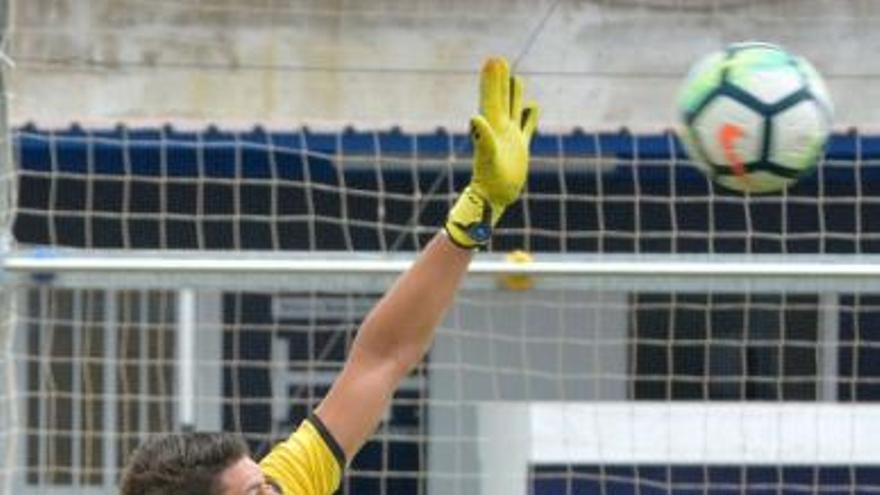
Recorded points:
(401, 326)
(392, 339)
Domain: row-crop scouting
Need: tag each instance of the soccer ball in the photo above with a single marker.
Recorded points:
(756, 118)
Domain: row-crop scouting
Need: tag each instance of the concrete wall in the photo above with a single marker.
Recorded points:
(599, 63)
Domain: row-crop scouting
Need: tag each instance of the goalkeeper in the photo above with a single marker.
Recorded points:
(393, 338)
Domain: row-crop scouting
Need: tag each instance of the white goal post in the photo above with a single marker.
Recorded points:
(791, 272)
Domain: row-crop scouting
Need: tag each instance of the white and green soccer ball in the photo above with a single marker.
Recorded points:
(755, 117)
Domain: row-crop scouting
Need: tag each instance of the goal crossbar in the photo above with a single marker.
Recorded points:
(792, 273)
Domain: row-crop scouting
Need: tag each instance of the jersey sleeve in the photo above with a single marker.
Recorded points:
(309, 462)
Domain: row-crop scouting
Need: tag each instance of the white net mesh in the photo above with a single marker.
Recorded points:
(616, 192)
(554, 391)
(518, 383)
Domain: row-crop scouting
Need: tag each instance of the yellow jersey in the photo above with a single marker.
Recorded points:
(309, 462)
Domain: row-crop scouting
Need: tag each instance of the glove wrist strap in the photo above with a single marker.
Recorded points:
(469, 223)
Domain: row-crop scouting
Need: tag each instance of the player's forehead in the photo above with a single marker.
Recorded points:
(244, 477)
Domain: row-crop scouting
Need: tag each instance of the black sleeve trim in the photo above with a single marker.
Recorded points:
(328, 439)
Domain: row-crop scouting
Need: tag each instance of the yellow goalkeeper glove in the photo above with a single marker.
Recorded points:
(501, 134)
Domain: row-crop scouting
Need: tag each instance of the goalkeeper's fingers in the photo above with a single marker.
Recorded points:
(529, 120)
(495, 89)
(482, 136)
(517, 88)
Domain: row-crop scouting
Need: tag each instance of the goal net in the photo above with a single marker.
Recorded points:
(668, 338)
(581, 384)
(188, 271)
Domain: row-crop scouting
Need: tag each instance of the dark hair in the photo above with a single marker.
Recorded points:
(181, 464)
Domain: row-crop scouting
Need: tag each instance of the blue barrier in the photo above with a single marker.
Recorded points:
(633, 204)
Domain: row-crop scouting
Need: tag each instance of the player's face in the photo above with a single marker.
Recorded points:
(246, 478)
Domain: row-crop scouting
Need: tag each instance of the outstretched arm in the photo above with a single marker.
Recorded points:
(396, 334)
(391, 341)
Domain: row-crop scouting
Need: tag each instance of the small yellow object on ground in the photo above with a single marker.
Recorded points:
(517, 282)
